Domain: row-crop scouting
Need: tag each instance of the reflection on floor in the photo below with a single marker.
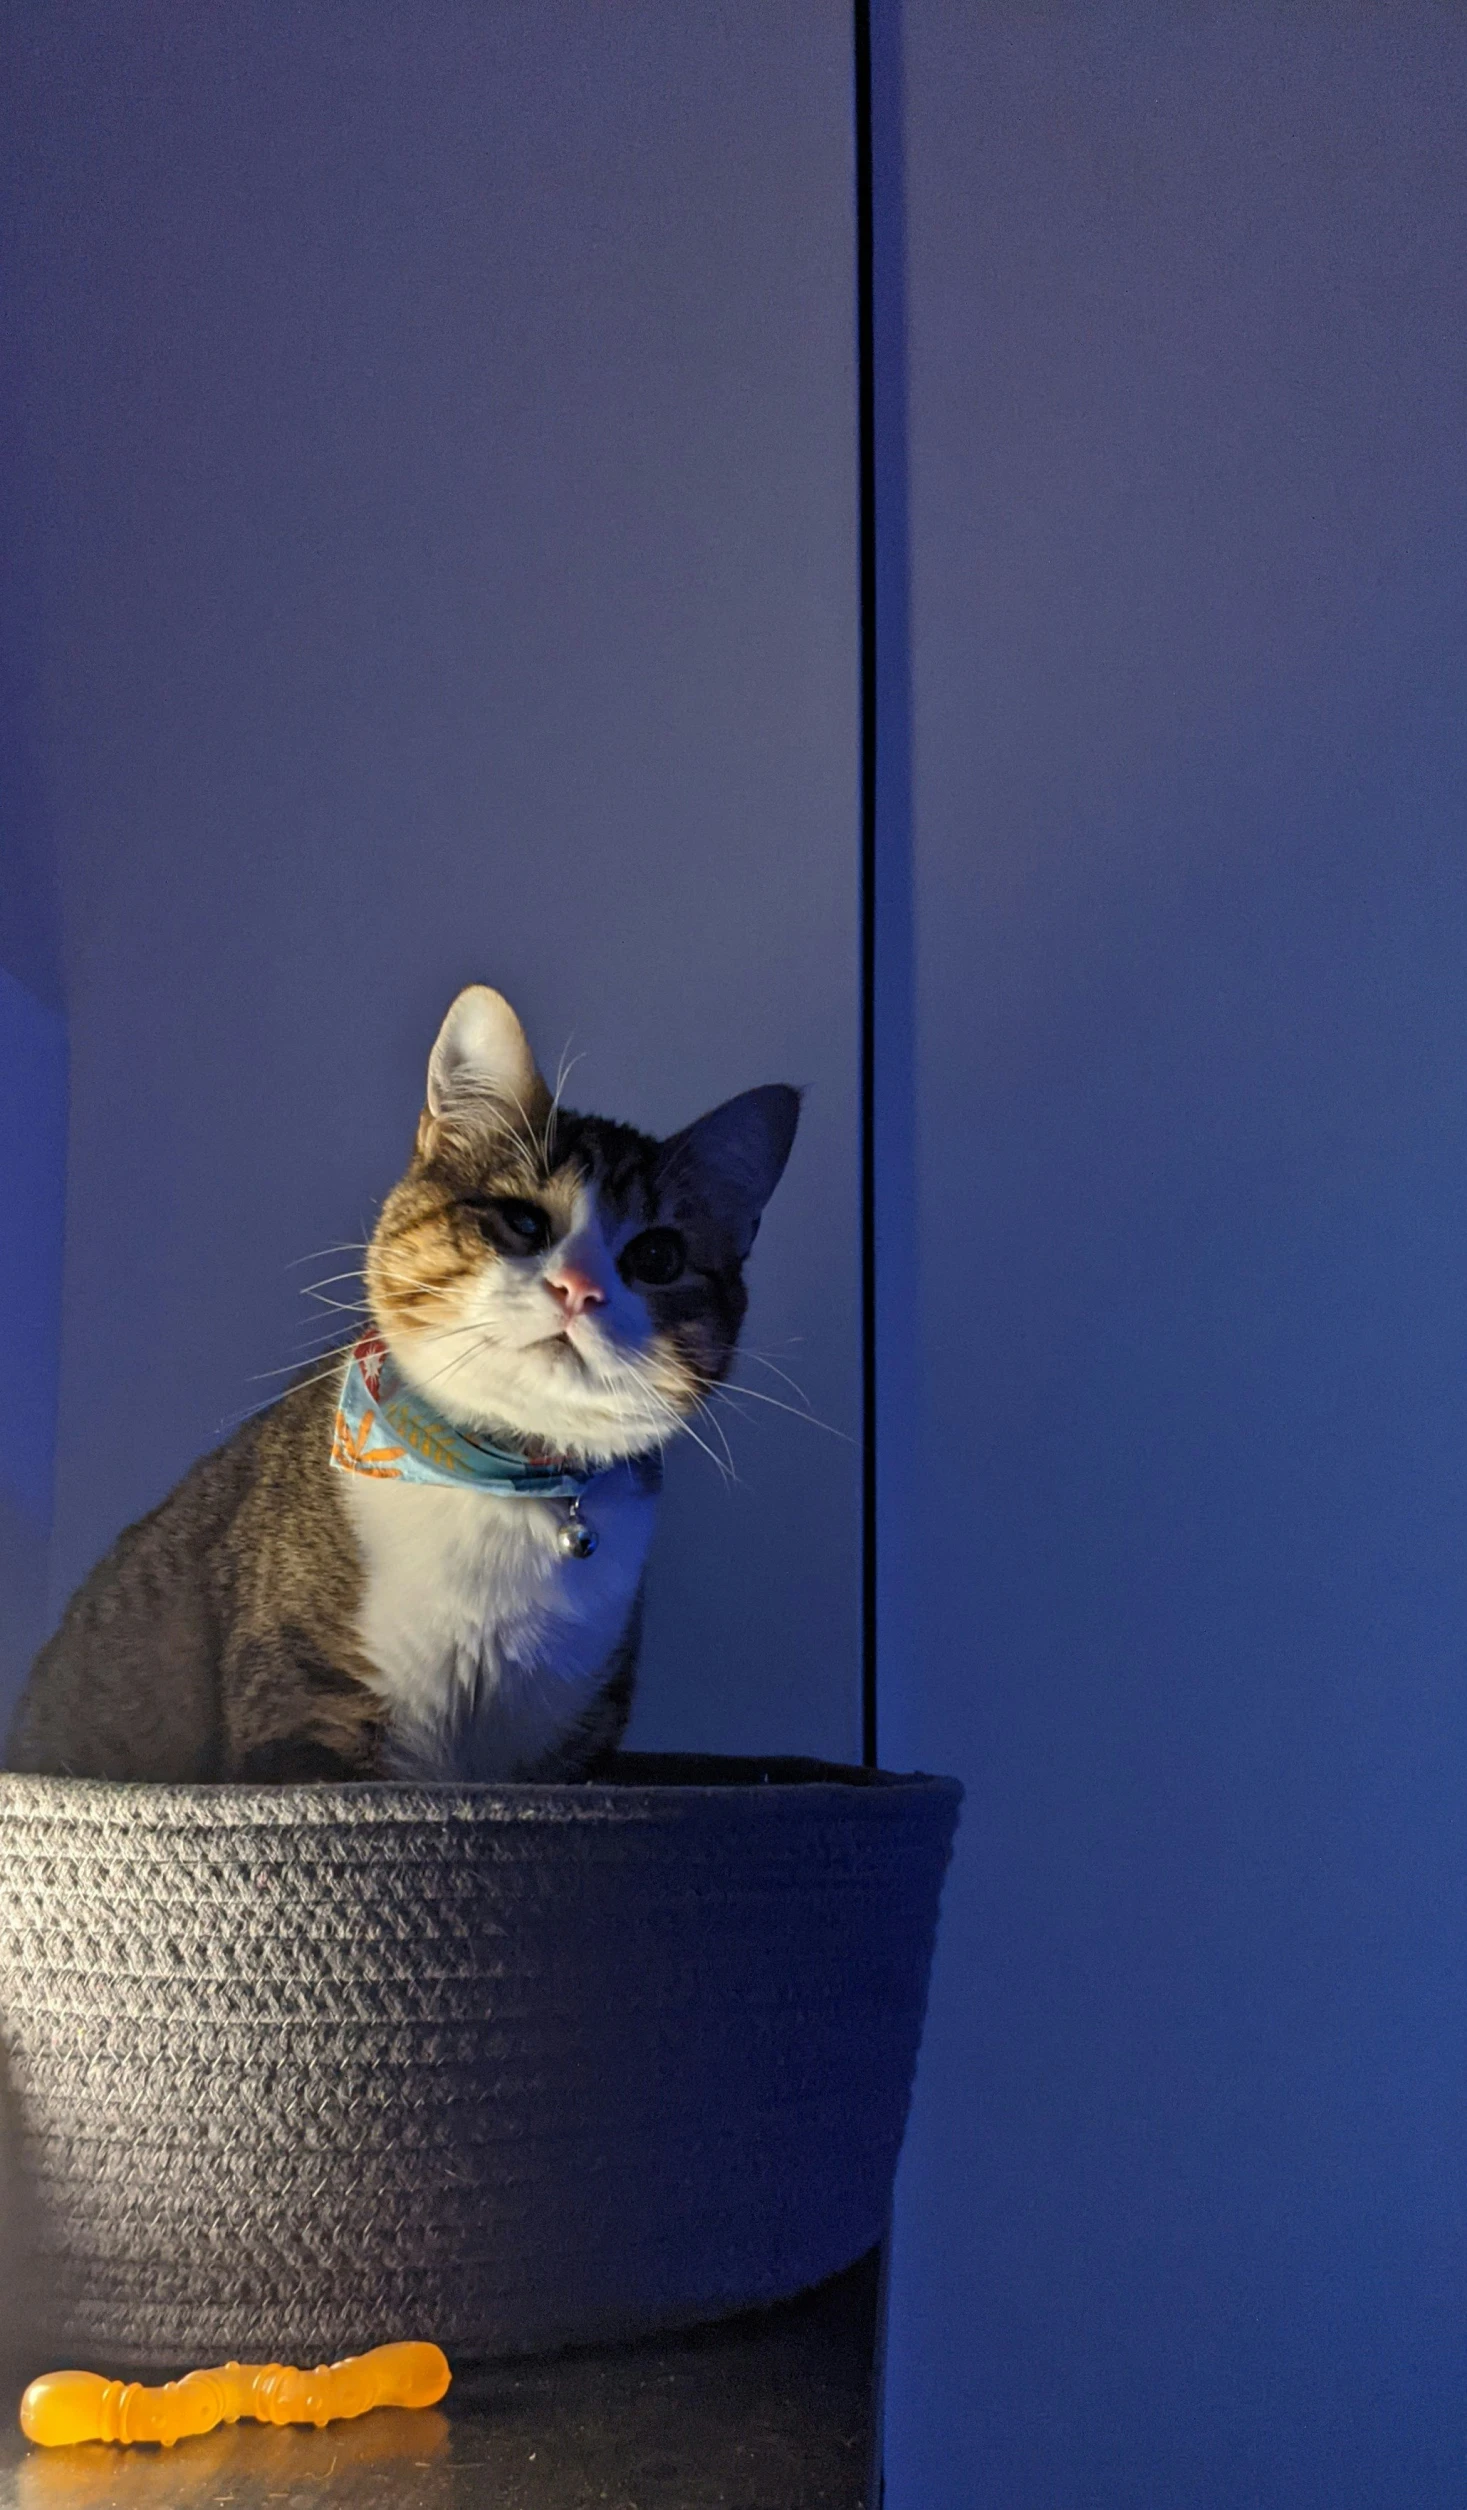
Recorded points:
(772, 2411)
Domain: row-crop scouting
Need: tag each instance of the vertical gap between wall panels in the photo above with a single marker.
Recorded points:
(866, 474)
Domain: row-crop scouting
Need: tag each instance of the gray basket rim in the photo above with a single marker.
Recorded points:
(106, 1803)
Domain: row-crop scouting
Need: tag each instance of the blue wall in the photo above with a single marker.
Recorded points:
(1183, 2217)
(435, 481)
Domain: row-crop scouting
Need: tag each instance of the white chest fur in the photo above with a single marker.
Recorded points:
(484, 1641)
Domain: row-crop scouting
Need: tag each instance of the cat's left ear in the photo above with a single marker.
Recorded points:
(734, 1157)
(482, 1060)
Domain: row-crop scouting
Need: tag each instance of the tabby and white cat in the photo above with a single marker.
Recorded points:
(552, 1295)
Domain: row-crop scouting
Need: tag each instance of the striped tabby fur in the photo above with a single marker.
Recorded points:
(569, 1284)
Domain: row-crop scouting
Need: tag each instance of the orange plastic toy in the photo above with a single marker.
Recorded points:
(66, 2406)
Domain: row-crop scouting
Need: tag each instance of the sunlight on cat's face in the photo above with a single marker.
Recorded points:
(564, 1278)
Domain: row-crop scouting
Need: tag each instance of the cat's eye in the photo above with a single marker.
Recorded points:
(514, 1227)
(656, 1257)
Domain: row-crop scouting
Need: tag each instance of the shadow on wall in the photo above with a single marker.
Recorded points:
(32, 1222)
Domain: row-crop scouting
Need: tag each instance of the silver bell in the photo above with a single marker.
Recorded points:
(576, 1539)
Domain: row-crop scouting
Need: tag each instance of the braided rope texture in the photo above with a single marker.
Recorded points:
(291, 2071)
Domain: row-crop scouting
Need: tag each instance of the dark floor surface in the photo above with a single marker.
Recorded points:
(773, 2411)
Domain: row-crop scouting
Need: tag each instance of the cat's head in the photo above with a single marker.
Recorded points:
(569, 1280)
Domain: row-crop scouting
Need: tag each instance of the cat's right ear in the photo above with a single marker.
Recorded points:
(481, 1065)
(736, 1155)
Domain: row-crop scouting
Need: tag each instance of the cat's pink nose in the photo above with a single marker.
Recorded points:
(575, 1290)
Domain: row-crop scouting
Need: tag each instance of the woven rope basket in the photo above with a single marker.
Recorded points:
(289, 2071)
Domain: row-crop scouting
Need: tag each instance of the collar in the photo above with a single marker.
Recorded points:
(385, 1430)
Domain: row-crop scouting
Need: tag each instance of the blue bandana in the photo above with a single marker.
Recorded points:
(385, 1430)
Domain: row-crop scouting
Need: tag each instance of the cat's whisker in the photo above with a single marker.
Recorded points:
(499, 1098)
(757, 1395)
(339, 1349)
(472, 1324)
(322, 1377)
(563, 1072)
(425, 1290)
(678, 1421)
(662, 1414)
(524, 1137)
(527, 1138)
(732, 1406)
(311, 1347)
(688, 1431)
(292, 1368)
(766, 1362)
(348, 1246)
(460, 1359)
(619, 1407)
(705, 1412)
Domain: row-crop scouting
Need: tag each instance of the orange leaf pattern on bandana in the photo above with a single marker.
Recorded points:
(351, 1451)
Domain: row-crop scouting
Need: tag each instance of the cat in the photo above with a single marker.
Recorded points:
(428, 1562)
